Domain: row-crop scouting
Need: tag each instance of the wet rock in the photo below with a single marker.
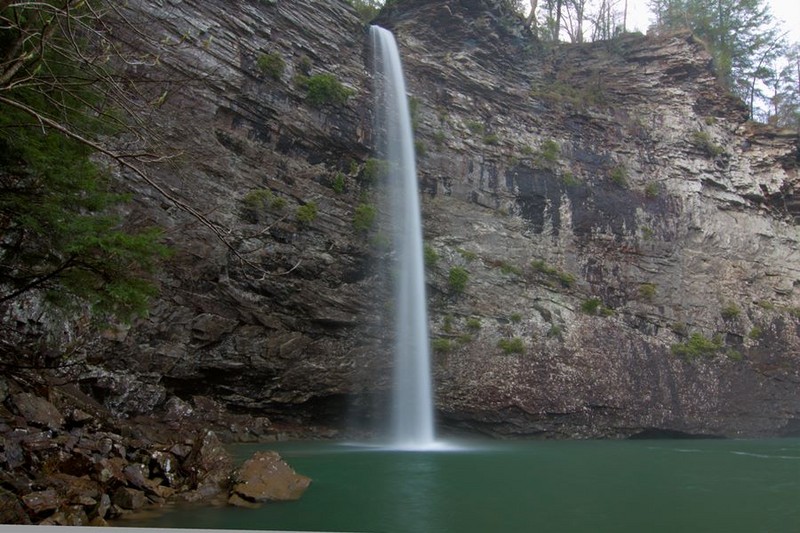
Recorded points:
(136, 475)
(110, 471)
(266, 477)
(129, 499)
(165, 464)
(38, 411)
(11, 511)
(103, 506)
(41, 501)
(71, 516)
(210, 463)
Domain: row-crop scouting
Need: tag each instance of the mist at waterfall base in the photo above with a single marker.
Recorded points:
(412, 425)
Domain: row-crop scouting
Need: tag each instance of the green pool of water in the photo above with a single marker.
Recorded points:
(656, 486)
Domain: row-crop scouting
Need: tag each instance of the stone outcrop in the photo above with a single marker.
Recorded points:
(265, 477)
(57, 470)
(630, 239)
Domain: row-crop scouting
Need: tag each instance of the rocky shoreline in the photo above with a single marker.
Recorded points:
(65, 460)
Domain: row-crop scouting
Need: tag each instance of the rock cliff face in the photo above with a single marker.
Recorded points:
(631, 241)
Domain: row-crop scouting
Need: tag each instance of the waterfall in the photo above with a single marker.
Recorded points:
(412, 397)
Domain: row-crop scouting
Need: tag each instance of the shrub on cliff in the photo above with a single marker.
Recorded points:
(325, 89)
(457, 279)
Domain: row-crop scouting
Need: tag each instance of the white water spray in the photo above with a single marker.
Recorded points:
(412, 398)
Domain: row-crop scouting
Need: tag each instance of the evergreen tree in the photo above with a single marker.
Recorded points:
(61, 236)
(741, 35)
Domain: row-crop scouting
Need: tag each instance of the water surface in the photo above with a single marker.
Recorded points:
(669, 486)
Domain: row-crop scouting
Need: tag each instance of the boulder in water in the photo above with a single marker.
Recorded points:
(266, 477)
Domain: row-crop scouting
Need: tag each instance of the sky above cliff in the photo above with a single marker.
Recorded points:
(787, 12)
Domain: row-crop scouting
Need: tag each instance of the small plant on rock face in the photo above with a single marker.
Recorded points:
(702, 141)
(447, 324)
(364, 217)
(468, 255)
(307, 213)
(619, 175)
(475, 127)
(651, 190)
(374, 170)
(697, 346)
(442, 345)
(271, 64)
(473, 324)
(554, 331)
(730, 311)
(515, 318)
(509, 346)
(756, 333)
(338, 183)
(492, 139)
(457, 279)
(429, 255)
(325, 89)
(548, 153)
(647, 291)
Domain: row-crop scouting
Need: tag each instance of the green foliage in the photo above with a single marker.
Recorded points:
(548, 153)
(755, 333)
(766, 305)
(555, 331)
(374, 170)
(565, 92)
(325, 89)
(447, 324)
(647, 291)
(439, 138)
(419, 148)
(679, 328)
(430, 255)
(413, 111)
(619, 175)
(594, 306)
(702, 141)
(564, 278)
(473, 324)
(491, 138)
(367, 9)
(509, 269)
(697, 346)
(60, 235)
(338, 183)
(569, 180)
(442, 345)
(730, 311)
(651, 190)
(591, 306)
(364, 218)
(457, 279)
(271, 64)
(511, 346)
(468, 255)
(306, 214)
(516, 318)
(741, 36)
(476, 127)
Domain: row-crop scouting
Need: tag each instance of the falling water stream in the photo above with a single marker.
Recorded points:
(412, 398)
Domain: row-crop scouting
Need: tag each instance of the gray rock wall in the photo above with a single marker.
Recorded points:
(615, 178)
